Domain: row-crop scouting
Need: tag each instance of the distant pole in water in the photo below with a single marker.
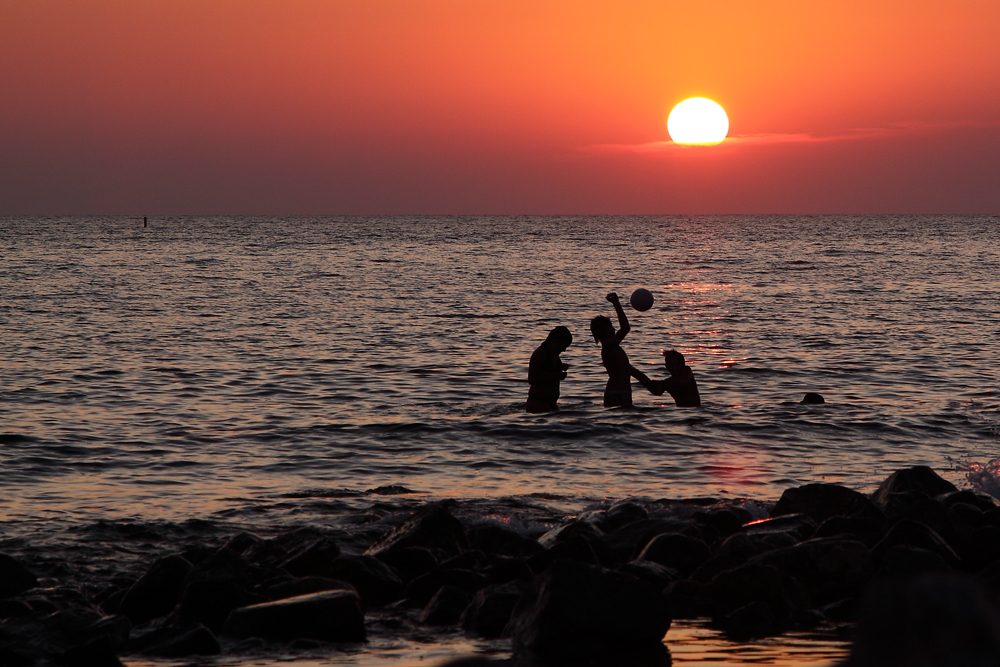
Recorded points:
(144, 221)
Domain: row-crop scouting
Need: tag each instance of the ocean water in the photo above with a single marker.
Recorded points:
(216, 373)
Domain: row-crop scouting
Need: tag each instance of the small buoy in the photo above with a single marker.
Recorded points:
(143, 221)
(812, 398)
(641, 299)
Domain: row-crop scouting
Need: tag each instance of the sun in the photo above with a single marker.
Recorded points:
(698, 120)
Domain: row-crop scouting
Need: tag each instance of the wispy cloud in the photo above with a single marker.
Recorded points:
(773, 139)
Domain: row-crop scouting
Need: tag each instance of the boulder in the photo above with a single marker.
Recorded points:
(915, 534)
(313, 560)
(374, 581)
(420, 591)
(754, 582)
(654, 574)
(827, 569)
(904, 560)
(15, 578)
(490, 610)
(930, 621)
(432, 527)
(446, 607)
(209, 602)
(222, 566)
(627, 542)
(751, 621)
(688, 599)
(821, 501)
(676, 551)
(304, 586)
(72, 635)
(918, 507)
(979, 547)
(623, 514)
(919, 478)
(574, 608)
(157, 592)
(493, 539)
(869, 531)
(796, 526)
(196, 640)
(577, 548)
(570, 530)
(724, 522)
(331, 616)
(409, 562)
(508, 569)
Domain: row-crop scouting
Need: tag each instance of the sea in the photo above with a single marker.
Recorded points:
(199, 376)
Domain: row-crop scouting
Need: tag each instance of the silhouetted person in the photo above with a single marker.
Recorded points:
(545, 370)
(680, 384)
(618, 391)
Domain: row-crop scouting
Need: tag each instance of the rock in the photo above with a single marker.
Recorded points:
(929, 621)
(919, 478)
(966, 517)
(654, 574)
(493, 539)
(244, 542)
(72, 635)
(916, 506)
(157, 592)
(904, 560)
(577, 548)
(210, 602)
(797, 526)
(623, 514)
(197, 640)
(687, 599)
(979, 547)
(409, 562)
(723, 521)
(223, 566)
(332, 616)
(753, 582)
(915, 534)
(812, 398)
(468, 560)
(569, 531)
(432, 527)
(14, 609)
(314, 560)
(14, 577)
(981, 502)
(420, 591)
(490, 610)
(842, 611)
(869, 531)
(821, 501)
(827, 569)
(751, 621)
(306, 585)
(375, 582)
(446, 607)
(575, 608)
(676, 551)
(508, 569)
(627, 542)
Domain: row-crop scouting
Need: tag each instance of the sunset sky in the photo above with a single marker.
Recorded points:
(156, 107)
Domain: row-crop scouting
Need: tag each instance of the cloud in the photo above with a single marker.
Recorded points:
(774, 139)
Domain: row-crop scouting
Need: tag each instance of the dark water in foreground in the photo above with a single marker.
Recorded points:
(269, 372)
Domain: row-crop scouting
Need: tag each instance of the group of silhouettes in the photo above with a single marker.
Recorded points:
(546, 370)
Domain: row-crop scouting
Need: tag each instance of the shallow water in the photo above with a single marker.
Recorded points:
(261, 372)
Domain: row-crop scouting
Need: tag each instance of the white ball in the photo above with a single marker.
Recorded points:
(641, 299)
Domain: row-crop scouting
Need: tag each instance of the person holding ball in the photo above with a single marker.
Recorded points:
(618, 391)
(546, 370)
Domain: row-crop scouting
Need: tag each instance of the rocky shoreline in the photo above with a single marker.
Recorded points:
(910, 573)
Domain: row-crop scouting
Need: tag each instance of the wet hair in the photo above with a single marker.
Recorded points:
(560, 336)
(674, 355)
(600, 323)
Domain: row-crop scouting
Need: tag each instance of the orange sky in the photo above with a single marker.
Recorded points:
(496, 106)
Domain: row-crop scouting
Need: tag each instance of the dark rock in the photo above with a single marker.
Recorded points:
(677, 551)
(432, 527)
(493, 539)
(97, 652)
(420, 591)
(725, 522)
(751, 621)
(798, 526)
(623, 514)
(508, 569)
(689, 599)
(14, 577)
(654, 574)
(927, 511)
(842, 611)
(73, 635)
(410, 562)
(980, 547)
(772, 541)
(375, 582)
(577, 548)
(981, 502)
(14, 609)
(157, 591)
(812, 398)
(314, 560)
(243, 542)
(915, 534)
(753, 582)
(490, 610)
(114, 601)
(869, 531)
(919, 478)
(570, 530)
(573, 608)
(306, 585)
(332, 616)
(929, 621)
(223, 566)
(197, 640)
(469, 560)
(821, 501)
(904, 560)
(627, 542)
(210, 602)
(827, 569)
(966, 517)
(446, 607)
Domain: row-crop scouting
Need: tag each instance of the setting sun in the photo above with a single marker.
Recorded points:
(698, 121)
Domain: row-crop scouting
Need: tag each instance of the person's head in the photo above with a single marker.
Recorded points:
(602, 328)
(673, 360)
(560, 338)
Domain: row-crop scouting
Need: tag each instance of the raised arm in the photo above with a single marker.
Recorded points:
(623, 327)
